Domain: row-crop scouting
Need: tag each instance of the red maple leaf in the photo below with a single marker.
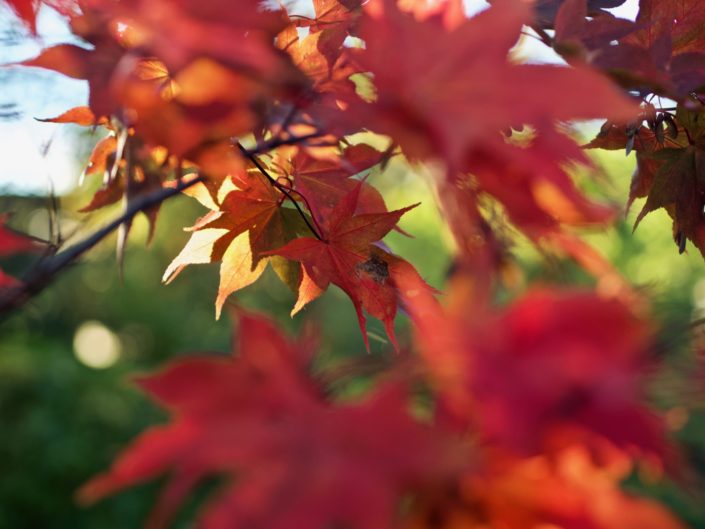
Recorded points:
(291, 457)
(97, 65)
(339, 15)
(325, 182)
(552, 362)
(182, 31)
(556, 359)
(547, 10)
(455, 111)
(670, 169)
(532, 184)
(465, 96)
(665, 54)
(569, 489)
(579, 28)
(646, 143)
(26, 10)
(346, 257)
(321, 56)
(78, 116)
(187, 98)
(239, 231)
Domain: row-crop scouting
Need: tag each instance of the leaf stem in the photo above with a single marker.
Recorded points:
(317, 232)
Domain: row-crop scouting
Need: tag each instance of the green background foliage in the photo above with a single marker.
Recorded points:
(63, 421)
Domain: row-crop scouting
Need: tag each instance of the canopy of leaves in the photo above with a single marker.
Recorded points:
(520, 416)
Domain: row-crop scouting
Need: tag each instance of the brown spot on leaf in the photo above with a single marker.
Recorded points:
(374, 267)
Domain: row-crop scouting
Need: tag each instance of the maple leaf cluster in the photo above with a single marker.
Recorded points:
(659, 56)
(183, 90)
(502, 448)
(523, 416)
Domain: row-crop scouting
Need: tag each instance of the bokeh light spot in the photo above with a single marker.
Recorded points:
(96, 346)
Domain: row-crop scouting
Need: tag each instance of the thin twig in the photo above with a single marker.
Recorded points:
(279, 142)
(544, 37)
(289, 118)
(533, 36)
(317, 232)
(696, 323)
(282, 187)
(42, 275)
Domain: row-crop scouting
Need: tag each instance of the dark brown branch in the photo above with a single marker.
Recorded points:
(542, 35)
(278, 142)
(45, 271)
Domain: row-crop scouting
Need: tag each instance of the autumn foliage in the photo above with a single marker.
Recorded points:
(514, 415)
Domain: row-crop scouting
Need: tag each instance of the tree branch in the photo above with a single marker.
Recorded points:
(49, 267)
(45, 271)
(278, 142)
(542, 35)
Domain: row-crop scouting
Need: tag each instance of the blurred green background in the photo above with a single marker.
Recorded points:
(66, 404)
